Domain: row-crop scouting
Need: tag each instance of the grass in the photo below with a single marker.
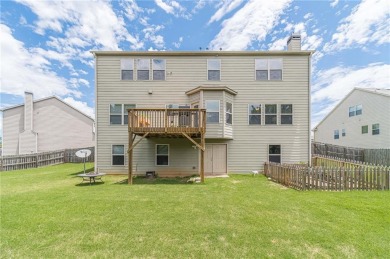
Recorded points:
(47, 213)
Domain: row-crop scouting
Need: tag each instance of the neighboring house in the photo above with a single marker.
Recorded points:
(361, 119)
(45, 125)
(257, 106)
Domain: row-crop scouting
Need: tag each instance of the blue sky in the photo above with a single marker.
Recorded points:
(45, 44)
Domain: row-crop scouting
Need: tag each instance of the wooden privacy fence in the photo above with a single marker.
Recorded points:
(17, 162)
(329, 178)
(373, 156)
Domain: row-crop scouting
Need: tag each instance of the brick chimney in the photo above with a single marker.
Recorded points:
(28, 111)
(294, 42)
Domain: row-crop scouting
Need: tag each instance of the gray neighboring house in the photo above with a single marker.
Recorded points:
(361, 120)
(45, 125)
(257, 109)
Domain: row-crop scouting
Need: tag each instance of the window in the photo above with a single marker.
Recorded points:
(286, 114)
(229, 113)
(158, 69)
(115, 114)
(274, 153)
(352, 111)
(254, 113)
(270, 114)
(359, 109)
(118, 155)
(336, 134)
(127, 68)
(365, 129)
(269, 69)
(212, 111)
(119, 114)
(162, 154)
(375, 129)
(143, 67)
(213, 69)
(343, 132)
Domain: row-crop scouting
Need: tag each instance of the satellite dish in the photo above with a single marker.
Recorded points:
(83, 153)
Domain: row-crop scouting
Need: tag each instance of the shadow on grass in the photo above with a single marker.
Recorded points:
(87, 170)
(157, 180)
(82, 184)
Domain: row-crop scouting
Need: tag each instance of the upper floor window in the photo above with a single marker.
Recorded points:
(212, 111)
(270, 114)
(254, 113)
(119, 114)
(127, 69)
(365, 129)
(336, 134)
(286, 116)
(229, 113)
(343, 132)
(214, 69)
(143, 67)
(158, 67)
(375, 129)
(355, 110)
(269, 69)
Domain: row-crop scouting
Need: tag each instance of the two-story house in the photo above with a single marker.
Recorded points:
(361, 119)
(194, 111)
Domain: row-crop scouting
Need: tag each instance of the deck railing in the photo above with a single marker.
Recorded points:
(169, 121)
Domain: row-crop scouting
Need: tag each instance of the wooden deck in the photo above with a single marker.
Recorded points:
(167, 123)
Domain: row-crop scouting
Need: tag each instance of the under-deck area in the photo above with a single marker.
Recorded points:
(167, 123)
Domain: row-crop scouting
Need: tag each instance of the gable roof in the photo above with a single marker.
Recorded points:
(48, 98)
(378, 91)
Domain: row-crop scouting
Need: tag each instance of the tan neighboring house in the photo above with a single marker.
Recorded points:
(256, 109)
(361, 119)
(45, 125)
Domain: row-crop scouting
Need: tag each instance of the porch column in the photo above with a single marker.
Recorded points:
(130, 153)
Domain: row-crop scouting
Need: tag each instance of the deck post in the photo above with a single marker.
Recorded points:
(202, 158)
(130, 155)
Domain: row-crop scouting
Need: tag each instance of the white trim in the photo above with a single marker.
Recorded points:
(155, 154)
(268, 69)
(124, 155)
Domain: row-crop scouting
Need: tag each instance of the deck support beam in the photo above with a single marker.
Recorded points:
(136, 143)
(201, 147)
(130, 155)
(202, 158)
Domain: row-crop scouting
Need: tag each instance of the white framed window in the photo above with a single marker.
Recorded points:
(127, 69)
(268, 69)
(375, 129)
(119, 114)
(212, 111)
(229, 113)
(271, 111)
(275, 153)
(162, 154)
(336, 134)
(115, 114)
(118, 154)
(158, 67)
(359, 109)
(352, 111)
(254, 114)
(286, 114)
(143, 69)
(213, 69)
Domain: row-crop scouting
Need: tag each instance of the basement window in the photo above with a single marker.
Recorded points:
(118, 155)
(162, 154)
(274, 153)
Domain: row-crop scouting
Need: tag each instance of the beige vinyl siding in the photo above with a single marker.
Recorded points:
(57, 125)
(249, 148)
(375, 109)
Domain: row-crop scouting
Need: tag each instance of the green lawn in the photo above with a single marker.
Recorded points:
(46, 213)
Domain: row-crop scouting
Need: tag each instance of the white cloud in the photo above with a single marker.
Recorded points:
(173, 7)
(151, 34)
(81, 106)
(334, 3)
(251, 23)
(178, 43)
(132, 10)
(23, 70)
(368, 23)
(22, 20)
(226, 7)
(332, 85)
